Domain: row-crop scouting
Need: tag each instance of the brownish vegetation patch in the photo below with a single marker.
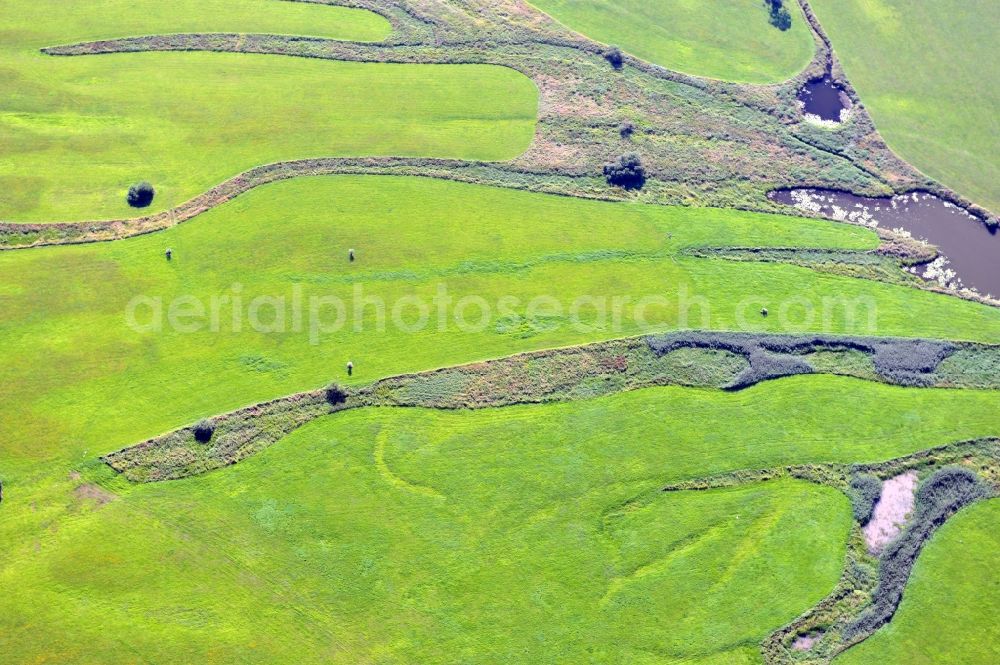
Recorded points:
(93, 493)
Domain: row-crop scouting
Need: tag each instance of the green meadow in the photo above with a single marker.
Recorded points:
(78, 131)
(723, 39)
(525, 534)
(948, 614)
(48, 22)
(77, 378)
(529, 534)
(928, 73)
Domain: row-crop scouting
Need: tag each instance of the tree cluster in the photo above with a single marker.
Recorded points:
(626, 172)
(780, 18)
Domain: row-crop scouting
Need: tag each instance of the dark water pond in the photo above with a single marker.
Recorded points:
(971, 251)
(823, 98)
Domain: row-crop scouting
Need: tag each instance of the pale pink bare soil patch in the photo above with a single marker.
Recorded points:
(891, 511)
(804, 642)
(552, 155)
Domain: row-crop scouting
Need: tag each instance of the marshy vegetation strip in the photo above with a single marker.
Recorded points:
(950, 607)
(728, 361)
(692, 158)
(871, 588)
(893, 262)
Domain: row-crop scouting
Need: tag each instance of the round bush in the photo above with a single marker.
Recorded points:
(335, 394)
(615, 57)
(626, 172)
(203, 431)
(140, 194)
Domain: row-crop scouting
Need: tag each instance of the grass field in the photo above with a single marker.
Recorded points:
(395, 535)
(949, 612)
(525, 534)
(77, 131)
(75, 377)
(49, 22)
(927, 73)
(723, 39)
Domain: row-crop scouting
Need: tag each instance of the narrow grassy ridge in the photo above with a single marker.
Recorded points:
(77, 132)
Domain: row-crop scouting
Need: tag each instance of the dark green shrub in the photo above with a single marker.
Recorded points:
(203, 431)
(614, 56)
(626, 129)
(626, 172)
(910, 362)
(140, 194)
(765, 365)
(335, 394)
(864, 491)
(780, 18)
(905, 362)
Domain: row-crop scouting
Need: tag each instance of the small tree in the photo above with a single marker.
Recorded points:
(140, 194)
(780, 18)
(626, 129)
(615, 56)
(203, 431)
(626, 172)
(335, 394)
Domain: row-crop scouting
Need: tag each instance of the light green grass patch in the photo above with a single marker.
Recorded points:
(531, 533)
(724, 39)
(77, 131)
(40, 23)
(948, 614)
(75, 377)
(505, 560)
(928, 74)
